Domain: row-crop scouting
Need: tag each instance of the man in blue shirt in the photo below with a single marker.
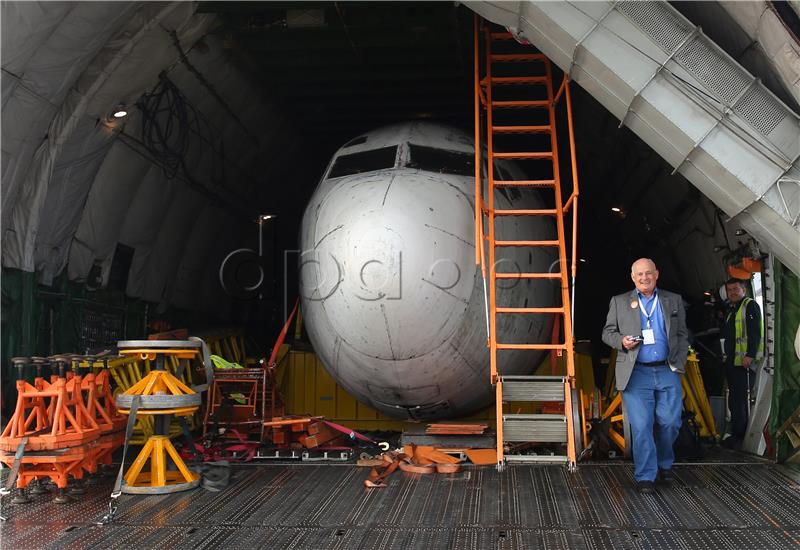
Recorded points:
(647, 327)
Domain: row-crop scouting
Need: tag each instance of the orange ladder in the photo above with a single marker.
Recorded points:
(522, 90)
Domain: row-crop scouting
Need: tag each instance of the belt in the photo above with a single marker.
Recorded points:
(651, 364)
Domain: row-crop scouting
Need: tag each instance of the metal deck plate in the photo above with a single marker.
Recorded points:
(326, 506)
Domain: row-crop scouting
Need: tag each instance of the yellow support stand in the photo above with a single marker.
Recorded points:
(161, 395)
(159, 480)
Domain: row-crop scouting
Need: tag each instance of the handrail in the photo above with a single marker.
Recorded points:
(560, 90)
(490, 192)
(575, 194)
(477, 123)
(479, 209)
(572, 201)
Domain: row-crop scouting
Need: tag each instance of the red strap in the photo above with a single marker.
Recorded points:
(348, 431)
(239, 436)
(417, 468)
(249, 452)
(282, 336)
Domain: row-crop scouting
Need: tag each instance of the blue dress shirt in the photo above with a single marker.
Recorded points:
(659, 351)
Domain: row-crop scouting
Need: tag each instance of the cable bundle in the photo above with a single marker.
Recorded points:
(168, 119)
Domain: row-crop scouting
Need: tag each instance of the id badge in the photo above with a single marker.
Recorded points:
(649, 336)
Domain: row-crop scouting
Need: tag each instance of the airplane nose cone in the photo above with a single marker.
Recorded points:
(392, 273)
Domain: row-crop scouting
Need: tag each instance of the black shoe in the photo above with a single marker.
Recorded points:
(646, 487)
(666, 477)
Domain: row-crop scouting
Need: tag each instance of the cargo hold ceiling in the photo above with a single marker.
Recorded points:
(339, 69)
(278, 86)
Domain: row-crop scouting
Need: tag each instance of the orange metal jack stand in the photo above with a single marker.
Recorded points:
(57, 465)
(24, 423)
(66, 423)
(96, 387)
(60, 420)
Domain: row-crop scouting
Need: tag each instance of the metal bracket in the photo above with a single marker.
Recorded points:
(279, 455)
(344, 456)
(778, 183)
(579, 43)
(689, 37)
(112, 511)
(728, 110)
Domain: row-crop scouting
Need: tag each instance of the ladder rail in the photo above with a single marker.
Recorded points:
(495, 378)
(477, 124)
(490, 205)
(574, 196)
(565, 297)
(479, 237)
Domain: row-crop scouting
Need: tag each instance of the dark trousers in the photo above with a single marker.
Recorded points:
(737, 398)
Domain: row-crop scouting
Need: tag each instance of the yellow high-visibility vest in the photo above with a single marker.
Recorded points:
(740, 349)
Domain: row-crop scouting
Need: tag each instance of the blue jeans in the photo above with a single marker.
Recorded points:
(653, 402)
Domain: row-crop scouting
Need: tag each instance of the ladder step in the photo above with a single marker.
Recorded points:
(524, 155)
(517, 104)
(526, 243)
(527, 275)
(541, 459)
(544, 428)
(532, 346)
(523, 183)
(546, 212)
(534, 388)
(511, 57)
(521, 129)
(530, 310)
(534, 377)
(501, 36)
(519, 80)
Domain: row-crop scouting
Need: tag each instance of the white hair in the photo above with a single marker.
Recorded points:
(633, 265)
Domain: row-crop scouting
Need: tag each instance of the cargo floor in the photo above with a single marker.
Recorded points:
(744, 505)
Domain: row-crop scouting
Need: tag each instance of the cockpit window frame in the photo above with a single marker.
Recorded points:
(330, 173)
(409, 159)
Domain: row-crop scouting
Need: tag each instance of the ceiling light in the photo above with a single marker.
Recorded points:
(616, 209)
(120, 112)
(707, 293)
(267, 216)
(582, 260)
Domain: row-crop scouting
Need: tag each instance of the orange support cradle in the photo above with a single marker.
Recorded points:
(70, 422)
(66, 422)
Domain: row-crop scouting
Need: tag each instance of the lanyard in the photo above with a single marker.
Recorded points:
(648, 315)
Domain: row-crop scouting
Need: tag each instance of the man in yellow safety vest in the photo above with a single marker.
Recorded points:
(744, 348)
